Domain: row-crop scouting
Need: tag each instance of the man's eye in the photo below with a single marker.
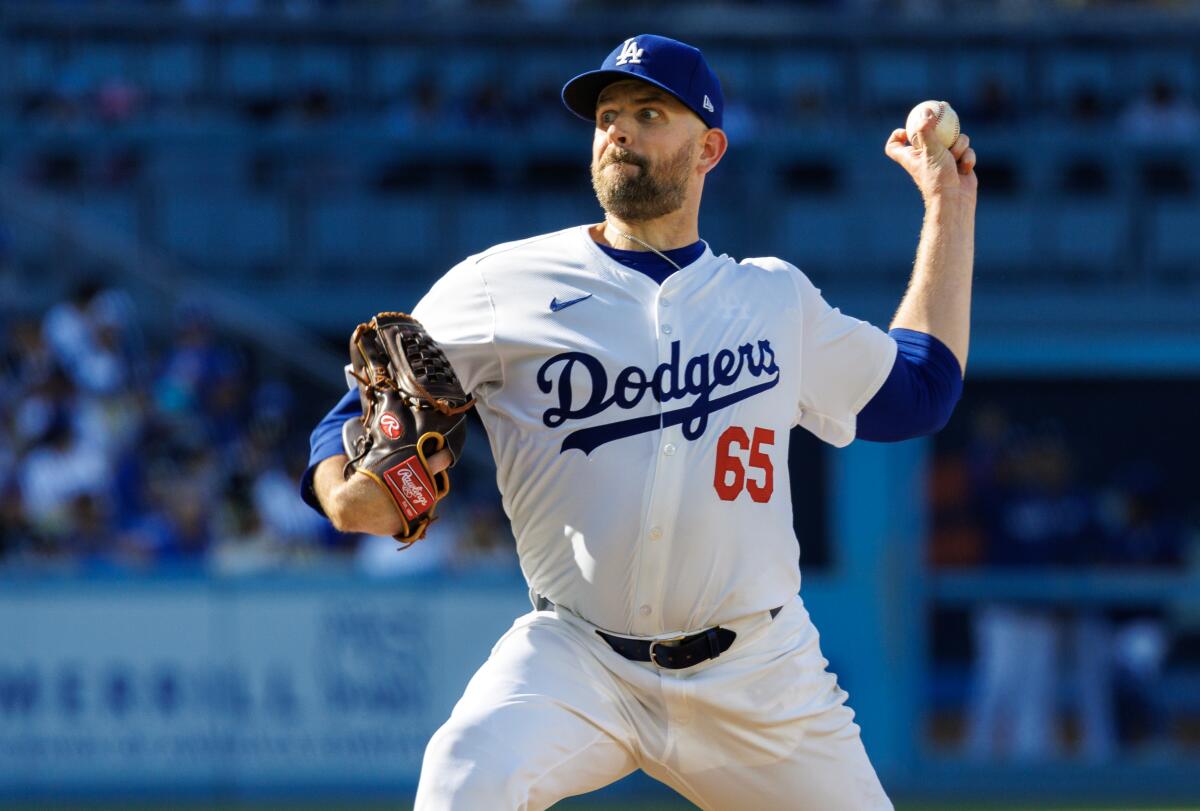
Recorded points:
(608, 117)
(650, 115)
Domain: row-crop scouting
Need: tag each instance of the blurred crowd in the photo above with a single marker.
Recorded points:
(1019, 498)
(125, 451)
(466, 102)
(312, 8)
(419, 94)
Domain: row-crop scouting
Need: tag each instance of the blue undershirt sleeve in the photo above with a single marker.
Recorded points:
(326, 441)
(919, 394)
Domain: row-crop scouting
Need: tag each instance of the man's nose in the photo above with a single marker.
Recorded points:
(617, 134)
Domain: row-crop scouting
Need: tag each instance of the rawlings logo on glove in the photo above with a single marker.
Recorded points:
(413, 406)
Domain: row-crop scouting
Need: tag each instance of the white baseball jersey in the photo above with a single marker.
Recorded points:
(641, 431)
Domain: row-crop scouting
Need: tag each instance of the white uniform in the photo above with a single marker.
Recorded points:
(641, 439)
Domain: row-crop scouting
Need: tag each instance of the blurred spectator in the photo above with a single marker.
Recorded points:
(1161, 116)
(377, 555)
(85, 334)
(489, 106)
(277, 501)
(118, 100)
(55, 472)
(420, 109)
(201, 384)
(245, 545)
(991, 105)
(26, 360)
(1086, 107)
(1142, 534)
(1034, 507)
(103, 463)
(484, 542)
(1037, 518)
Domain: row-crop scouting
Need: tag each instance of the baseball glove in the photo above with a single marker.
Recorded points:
(413, 406)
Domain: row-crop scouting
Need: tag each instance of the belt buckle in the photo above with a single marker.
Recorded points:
(655, 643)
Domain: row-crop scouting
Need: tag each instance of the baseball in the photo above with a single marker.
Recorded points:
(947, 125)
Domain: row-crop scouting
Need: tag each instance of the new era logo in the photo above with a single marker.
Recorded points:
(630, 54)
(708, 105)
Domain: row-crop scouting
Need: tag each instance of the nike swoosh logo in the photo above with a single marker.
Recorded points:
(556, 305)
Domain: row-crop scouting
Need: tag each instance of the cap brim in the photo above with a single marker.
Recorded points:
(580, 94)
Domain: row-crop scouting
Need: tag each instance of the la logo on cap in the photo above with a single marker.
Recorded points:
(630, 54)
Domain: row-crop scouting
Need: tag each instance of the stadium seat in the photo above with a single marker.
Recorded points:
(325, 67)
(373, 231)
(223, 232)
(210, 165)
(1173, 239)
(987, 85)
(739, 70)
(885, 234)
(115, 210)
(1070, 73)
(1142, 67)
(790, 71)
(1088, 237)
(251, 70)
(816, 234)
(485, 220)
(462, 70)
(93, 63)
(174, 68)
(1005, 237)
(34, 67)
(542, 213)
(391, 71)
(889, 78)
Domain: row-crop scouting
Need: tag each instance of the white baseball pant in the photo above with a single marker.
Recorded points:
(555, 712)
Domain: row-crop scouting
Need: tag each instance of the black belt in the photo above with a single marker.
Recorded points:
(672, 654)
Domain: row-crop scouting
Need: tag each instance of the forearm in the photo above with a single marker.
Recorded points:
(938, 299)
(356, 504)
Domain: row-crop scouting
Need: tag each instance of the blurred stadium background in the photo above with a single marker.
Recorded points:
(199, 199)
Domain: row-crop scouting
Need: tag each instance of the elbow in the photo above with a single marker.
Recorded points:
(341, 511)
(941, 418)
(335, 510)
(339, 516)
(938, 417)
(347, 516)
(913, 424)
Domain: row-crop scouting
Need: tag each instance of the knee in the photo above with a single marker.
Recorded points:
(462, 769)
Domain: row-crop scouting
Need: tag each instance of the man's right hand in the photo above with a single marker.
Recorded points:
(358, 504)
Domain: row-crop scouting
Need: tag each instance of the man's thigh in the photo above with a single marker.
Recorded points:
(768, 728)
(827, 770)
(540, 721)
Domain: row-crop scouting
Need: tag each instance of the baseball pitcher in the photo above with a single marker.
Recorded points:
(640, 428)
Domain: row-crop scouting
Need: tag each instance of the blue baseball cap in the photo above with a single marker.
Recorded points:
(674, 66)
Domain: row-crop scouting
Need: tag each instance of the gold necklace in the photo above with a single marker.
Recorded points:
(649, 247)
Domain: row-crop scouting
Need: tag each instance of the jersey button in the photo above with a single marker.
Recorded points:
(669, 449)
(666, 329)
(644, 611)
(666, 302)
(655, 533)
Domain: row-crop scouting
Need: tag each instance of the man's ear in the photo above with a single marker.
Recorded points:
(713, 144)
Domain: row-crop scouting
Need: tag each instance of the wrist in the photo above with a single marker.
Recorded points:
(951, 209)
(949, 198)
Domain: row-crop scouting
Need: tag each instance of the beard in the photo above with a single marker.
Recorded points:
(647, 194)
